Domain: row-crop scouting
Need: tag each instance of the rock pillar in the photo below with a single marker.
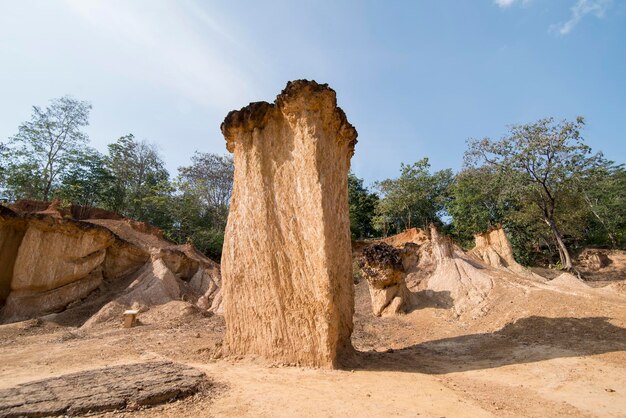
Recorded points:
(286, 262)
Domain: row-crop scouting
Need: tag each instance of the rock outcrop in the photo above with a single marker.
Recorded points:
(494, 249)
(439, 273)
(593, 259)
(382, 267)
(12, 230)
(50, 260)
(286, 262)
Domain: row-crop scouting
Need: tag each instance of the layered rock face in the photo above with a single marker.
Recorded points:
(57, 262)
(493, 248)
(12, 230)
(49, 261)
(286, 262)
(382, 266)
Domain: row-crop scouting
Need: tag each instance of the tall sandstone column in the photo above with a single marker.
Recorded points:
(286, 262)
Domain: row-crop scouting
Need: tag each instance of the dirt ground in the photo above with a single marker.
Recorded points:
(529, 351)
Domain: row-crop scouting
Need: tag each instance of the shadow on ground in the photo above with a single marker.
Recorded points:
(431, 299)
(528, 340)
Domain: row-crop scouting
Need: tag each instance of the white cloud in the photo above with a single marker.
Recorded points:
(174, 46)
(508, 3)
(504, 3)
(581, 9)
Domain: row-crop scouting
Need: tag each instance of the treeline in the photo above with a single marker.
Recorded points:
(541, 182)
(50, 158)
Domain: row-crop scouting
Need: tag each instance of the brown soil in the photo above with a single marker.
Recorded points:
(531, 348)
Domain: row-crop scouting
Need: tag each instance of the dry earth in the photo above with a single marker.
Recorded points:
(521, 346)
(525, 355)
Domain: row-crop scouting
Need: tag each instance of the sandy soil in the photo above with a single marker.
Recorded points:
(530, 351)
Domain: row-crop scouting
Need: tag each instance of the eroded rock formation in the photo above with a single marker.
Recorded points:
(286, 263)
(50, 260)
(439, 273)
(493, 248)
(593, 259)
(382, 267)
(455, 275)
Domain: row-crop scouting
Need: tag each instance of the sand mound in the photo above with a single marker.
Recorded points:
(569, 281)
(455, 276)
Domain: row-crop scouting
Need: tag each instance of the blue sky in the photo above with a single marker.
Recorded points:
(416, 78)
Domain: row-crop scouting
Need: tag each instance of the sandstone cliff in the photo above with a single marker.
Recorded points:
(286, 263)
(493, 248)
(50, 260)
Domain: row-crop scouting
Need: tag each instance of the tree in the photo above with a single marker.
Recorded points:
(541, 162)
(87, 181)
(416, 198)
(201, 206)
(209, 179)
(476, 202)
(140, 188)
(604, 196)
(362, 206)
(44, 147)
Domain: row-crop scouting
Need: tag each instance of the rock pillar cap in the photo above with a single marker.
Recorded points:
(297, 96)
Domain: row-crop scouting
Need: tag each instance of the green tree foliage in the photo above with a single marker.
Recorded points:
(39, 155)
(201, 205)
(50, 158)
(362, 205)
(604, 197)
(140, 188)
(476, 202)
(87, 181)
(414, 199)
(542, 164)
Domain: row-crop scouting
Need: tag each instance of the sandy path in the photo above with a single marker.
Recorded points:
(288, 392)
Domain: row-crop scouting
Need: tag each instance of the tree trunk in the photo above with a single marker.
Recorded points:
(566, 260)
